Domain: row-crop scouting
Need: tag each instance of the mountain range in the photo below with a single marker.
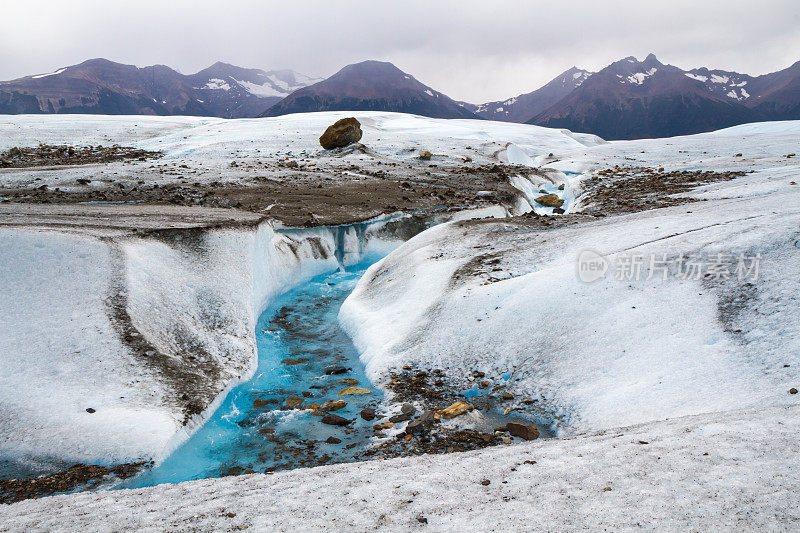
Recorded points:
(100, 86)
(633, 99)
(370, 86)
(629, 99)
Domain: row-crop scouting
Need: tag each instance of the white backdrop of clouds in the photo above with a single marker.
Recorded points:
(471, 50)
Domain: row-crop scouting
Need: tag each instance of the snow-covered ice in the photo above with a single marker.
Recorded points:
(730, 471)
(588, 352)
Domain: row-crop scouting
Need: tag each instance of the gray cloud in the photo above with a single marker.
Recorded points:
(471, 50)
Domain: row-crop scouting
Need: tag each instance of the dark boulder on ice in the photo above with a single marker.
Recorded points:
(368, 413)
(342, 133)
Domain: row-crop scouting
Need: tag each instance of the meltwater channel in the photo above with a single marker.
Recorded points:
(298, 338)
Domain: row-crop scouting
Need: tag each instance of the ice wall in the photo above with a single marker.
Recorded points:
(147, 329)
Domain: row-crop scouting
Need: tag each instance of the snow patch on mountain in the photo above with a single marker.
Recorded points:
(217, 84)
(263, 90)
(639, 77)
(39, 76)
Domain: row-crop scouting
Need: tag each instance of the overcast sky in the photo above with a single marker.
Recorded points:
(471, 50)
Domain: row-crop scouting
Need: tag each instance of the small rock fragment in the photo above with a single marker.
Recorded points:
(458, 408)
(335, 420)
(550, 200)
(368, 414)
(294, 402)
(524, 431)
(334, 370)
(354, 390)
(290, 361)
(333, 405)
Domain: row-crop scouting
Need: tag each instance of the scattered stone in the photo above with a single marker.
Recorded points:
(335, 420)
(341, 133)
(408, 409)
(334, 370)
(77, 476)
(333, 440)
(289, 361)
(291, 164)
(458, 408)
(382, 426)
(550, 200)
(258, 404)
(333, 405)
(791, 391)
(486, 482)
(422, 520)
(523, 431)
(307, 394)
(294, 402)
(505, 395)
(354, 390)
(425, 155)
(348, 381)
(558, 211)
(561, 187)
(313, 407)
(426, 420)
(402, 417)
(91, 410)
(368, 414)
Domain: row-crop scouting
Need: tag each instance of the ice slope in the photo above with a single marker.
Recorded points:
(147, 328)
(505, 297)
(730, 471)
(209, 145)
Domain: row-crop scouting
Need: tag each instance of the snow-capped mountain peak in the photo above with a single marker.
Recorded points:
(524, 106)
